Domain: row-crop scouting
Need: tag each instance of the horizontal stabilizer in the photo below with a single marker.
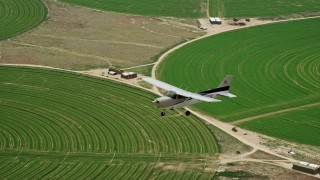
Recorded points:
(216, 100)
(227, 94)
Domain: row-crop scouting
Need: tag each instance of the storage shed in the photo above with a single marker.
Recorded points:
(212, 20)
(315, 166)
(218, 20)
(215, 20)
(306, 168)
(117, 71)
(129, 75)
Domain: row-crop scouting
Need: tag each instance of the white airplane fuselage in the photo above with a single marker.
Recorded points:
(166, 102)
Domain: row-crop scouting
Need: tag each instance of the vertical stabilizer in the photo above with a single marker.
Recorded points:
(226, 81)
(225, 84)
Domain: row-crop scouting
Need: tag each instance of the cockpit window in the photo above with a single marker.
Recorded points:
(172, 94)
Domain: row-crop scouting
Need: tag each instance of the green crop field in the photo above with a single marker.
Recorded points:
(44, 165)
(302, 126)
(274, 66)
(260, 8)
(56, 124)
(18, 16)
(177, 8)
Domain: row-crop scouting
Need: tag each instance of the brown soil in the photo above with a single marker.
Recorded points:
(82, 38)
(263, 155)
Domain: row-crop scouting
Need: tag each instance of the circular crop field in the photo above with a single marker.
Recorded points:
(274, 66)
(18, 16)
(68, 123)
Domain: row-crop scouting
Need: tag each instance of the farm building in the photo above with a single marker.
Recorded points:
(129, 75)
(215, 20)
(306, 167)
(114, 71)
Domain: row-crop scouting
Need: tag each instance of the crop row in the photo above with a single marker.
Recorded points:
(55, 111)
(216, 8)
(91, 169)
(302, 126)
(273, 66)
(55, 124)
(48, 165)
(19, 16)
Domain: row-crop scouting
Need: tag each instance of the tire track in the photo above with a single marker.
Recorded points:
(108, 60)
(103, 41)
(273, 113)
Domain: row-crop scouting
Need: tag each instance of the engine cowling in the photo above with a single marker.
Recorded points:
(163, 101)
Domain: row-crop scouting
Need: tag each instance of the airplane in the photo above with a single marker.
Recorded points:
(179, 98)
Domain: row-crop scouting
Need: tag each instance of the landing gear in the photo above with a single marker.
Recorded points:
(162, 113)
(188, 113)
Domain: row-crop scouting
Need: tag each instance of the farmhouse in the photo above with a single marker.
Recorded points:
(129, 75)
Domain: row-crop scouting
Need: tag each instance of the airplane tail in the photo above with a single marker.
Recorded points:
(226, 82)
(224, 87)
(222, 90)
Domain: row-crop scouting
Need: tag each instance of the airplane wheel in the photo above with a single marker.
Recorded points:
(162, 113)
(188, 113)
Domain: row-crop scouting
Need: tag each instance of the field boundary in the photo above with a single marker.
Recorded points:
(77, 72)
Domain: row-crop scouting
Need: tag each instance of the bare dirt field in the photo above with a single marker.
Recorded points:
(82, 38)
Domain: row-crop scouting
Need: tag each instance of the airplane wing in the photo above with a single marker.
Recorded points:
(178, 91)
